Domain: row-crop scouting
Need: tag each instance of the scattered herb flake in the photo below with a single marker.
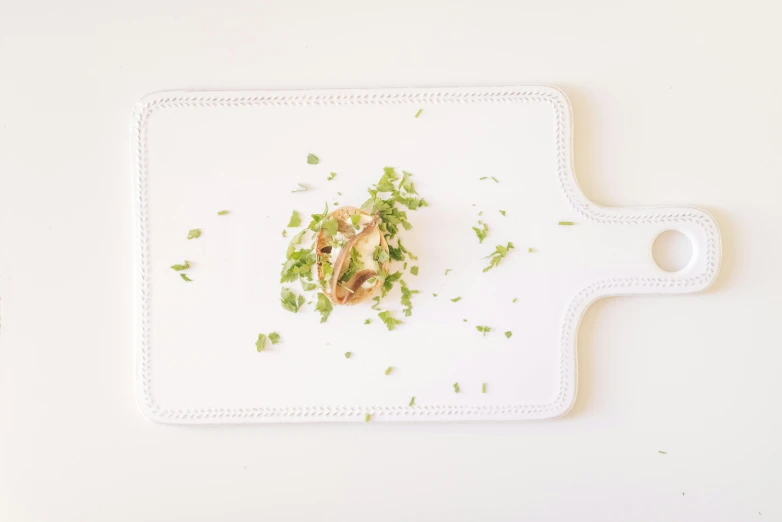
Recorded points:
(417, 114)
(465, 320)
(312, 159)
(347, 355)
(481, 232)
(508, 334)
(317, 218)
(434, 295)
(377, 303)
(447, 270)
(515, 299)
(331, 176)
(566, 223)
(367, 417)
(184, 276)
(483, 329)
(389, 321)
(284, 233)
(194, 234)
(502, 212)
(496, 256)
(323, 306)
(456, 299)
(302, 188)
(495, 179)
(662, 452)
(367, 321)
(380, 255)
(530, 250)
(289, 300)
(185, 266)
(330, 227)
(354, 220)
(308, 287)
(295, 220)
(412, 401)
(483, 387)
(388, 370)
(480, 213)
(456, 387)
(485, 177)
(406, 295)
(222, 213)
(388, 282)
(274, 337)
(414, 270)
(260, 344)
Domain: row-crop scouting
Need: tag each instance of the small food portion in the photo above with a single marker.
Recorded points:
(351, 254)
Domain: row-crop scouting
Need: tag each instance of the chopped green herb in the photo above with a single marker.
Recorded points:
(194, 234)
(417, 114)
(330, 227)
(388, 282)
(298, 263)
(481, 232)
(412, 401)
(497, 255)
(289, 300)
(323, 306)
(456, 387)
(663, 452)
(181, 267)
(404, 267)
(388, 320)
(184, 276)
(260, 344)
(312, 159)
(339, 193)
(434, 295)
(447, 270)
(483, 387)
(380, 255)
(274, 337)
(502, 212)
(456, 299)
(347, 355)
(406, 295)
(336, 203)
(367, 417)
(222, 213)
(308, 287)
(480, 213)
(284, 233)
(515, 299)
(355, 219)
(485, 177)
(566, 223)
(483, 329)
(465, 320)
(331, 176)
(530, 250)
(495, 179)
(508, 334)
(317, 218)
(367, 321)
(302, 188)
(388, 370)
(295, 220)
(377, 303)
(414, 270)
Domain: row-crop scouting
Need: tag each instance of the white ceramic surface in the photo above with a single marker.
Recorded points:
(196, 153)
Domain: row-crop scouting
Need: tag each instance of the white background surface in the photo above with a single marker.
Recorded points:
(674, 103)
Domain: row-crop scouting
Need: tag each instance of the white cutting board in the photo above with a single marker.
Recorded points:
(195, 153)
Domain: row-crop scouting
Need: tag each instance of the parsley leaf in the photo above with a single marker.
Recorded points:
(515, 299)
(367, 417)
(447, 270)
(434, 295)
(485, 177)
(184, 276)
(347, 355)
(355, 219)
(317, 218)
(566, 223)
(308, 287)
(483, 329)
(495, 179)
(386, 183)
(508, 334)
(222, 213)
(530, 250)
(388, 320)
(193, 234)
(284, 233)
(323, 306)
(456, 387)
(502, 212)
(496, 256)
(295, 220)
(302, 188)
(380, 255)
(412, 401)
(414, 270)
(481, 233)
(388, 370)
(406, 295)
(181, 267)
(289, 300)
(312, 159)
(330, 226)
(331, 176)
(367, 321)
(456, 299)
(388, 282)
(274, 337)
(260, 344)
(377, 303)
(417, 114)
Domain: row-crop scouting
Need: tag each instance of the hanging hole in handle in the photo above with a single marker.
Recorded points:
(672, 250)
